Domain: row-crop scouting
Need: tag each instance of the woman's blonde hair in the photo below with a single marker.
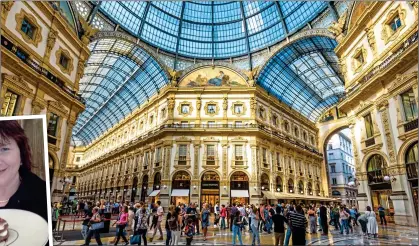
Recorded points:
(172, 208)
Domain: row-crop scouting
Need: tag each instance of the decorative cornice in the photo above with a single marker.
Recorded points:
(58, 108)
(17, 84)
(6, 6)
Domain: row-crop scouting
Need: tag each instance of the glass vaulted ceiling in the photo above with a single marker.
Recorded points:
(119, 77)
(211, 29)
(305, 75)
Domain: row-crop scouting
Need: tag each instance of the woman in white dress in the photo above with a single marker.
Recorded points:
(372, 226)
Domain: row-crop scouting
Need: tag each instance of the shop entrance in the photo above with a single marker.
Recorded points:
(181, 184)
(210, 189)
(239, 188)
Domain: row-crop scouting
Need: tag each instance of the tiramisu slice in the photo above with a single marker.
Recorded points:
(4, 233)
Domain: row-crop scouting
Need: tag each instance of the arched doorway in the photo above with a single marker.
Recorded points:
(210, 189)
(155, 194)
(181, 184)
(291, 186)
(239, 188)
(279, 185)
(411, 160)
(144, 187)
(134, 189)
(380, 189)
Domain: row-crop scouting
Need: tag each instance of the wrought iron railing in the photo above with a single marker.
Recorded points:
(376, 176)
(22, 55)
(386, 63)
(411, 125)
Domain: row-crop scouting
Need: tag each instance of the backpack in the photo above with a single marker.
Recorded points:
(189, 231)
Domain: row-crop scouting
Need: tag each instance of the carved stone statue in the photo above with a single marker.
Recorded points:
(337, 28)
(198, 103)
(88, 31)
(52, 37)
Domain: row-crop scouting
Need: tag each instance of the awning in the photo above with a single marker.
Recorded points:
(154, 193)
(180, 192)
(239, 193)
(269, 195)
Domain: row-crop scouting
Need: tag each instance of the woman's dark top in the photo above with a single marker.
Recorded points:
(30, 196)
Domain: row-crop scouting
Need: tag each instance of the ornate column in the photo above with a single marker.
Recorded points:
(371, 39)
(64, 155)
(354, 145)
(198, 111)
(80, 71)
(170, 108)
(225, 107)
(197, 147)
(52, 37)
(382, 107)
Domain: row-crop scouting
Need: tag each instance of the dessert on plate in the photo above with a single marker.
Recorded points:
(4, 233)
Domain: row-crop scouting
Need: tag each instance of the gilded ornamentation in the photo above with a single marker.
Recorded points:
(225, 171)
(211, 108)
(356, 63)
(185, 108)
(387, 33)
(36, 37)
(343, 68)
(252, 74)
(197, 145)
(253, 106)
(337, 28)
(238, 108)
(5, 8)
(371, 39)
(52, 37)
(170, 104)
(80, 71)
(88, 31)
(62, 52)
(355, 148)
(387, 132)
(198, 104)
(174, 76)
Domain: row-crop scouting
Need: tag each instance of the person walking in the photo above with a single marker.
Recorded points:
(121, 224)
(205, 214)
(217, 211)
(289, 211)
(94, 232)
(223, 215)
(237, 224)
(298, 222)
(167, 227)
(323, 219)
(174, 224)
(313, 220)
(382, 214)
(363, 220)
(372, 226)
(279, 220)
(343, 215)
(142, 224)
(86, 222)
(233, 215)
(160, 213)
(254, 224)
(336, 217)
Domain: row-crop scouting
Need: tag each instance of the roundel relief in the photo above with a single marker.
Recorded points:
(212, 76)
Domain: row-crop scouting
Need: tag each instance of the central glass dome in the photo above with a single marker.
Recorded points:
(208, 29)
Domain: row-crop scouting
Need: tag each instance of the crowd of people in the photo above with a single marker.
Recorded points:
(135, 221)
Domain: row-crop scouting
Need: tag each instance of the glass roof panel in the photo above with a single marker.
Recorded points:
(211, 22)
(127, 77)
(302, 77)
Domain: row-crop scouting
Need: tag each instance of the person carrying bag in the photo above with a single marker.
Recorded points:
(121, 224)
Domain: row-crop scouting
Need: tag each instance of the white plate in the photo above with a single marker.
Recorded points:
(25, 228)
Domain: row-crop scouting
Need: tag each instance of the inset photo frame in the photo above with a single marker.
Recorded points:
(25, 201)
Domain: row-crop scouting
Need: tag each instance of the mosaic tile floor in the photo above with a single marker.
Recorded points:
(390, 235)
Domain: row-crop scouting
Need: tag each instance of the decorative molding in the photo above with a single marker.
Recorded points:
(51, 39)
(371, 39)
(80, 71)
(37, 37)
(17, 84)
(216, 109)
(58, 108)
(337, 28)
(387, 33)
(387, 131)
(6, 6)
(358, 67)
(70, 65)
(88, 31)
(179, 108)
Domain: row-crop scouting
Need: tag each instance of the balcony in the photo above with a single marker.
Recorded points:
(370, 142)
(412, 171)
(411, 125)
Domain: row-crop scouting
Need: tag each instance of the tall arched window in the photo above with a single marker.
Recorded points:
(265, 182)
(376, 169)
(279, 184)
(310, 188)
(300, 187)
(290, 186)
(411, 160)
